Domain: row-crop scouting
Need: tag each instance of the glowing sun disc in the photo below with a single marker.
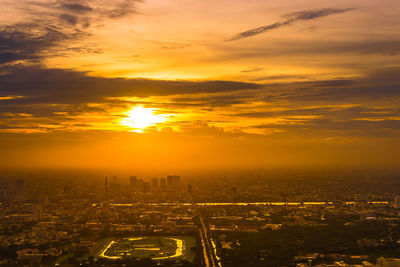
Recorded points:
(140, 118)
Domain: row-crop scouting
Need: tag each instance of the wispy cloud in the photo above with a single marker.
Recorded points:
(49, 27)
(30, 41)
(290, 19)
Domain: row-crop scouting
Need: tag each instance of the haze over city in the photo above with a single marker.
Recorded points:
(183, 133)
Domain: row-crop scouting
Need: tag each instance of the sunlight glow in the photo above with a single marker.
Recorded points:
(140, 118)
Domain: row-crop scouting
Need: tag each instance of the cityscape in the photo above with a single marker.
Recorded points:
(254, 218)
(200, 133)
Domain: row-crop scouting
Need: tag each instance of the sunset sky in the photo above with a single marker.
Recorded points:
(199, 84)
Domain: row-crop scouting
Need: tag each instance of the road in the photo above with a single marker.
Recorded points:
(211, 258)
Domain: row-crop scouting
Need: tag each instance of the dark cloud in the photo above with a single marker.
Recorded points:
(252, 70)
(29, 41)
(375, 85)
(333, 113)
(76, 7)
(91, 8)
(70, 19)
(214, 100)
(66, 86)
(290, 19)
(125, 8)
(51, 27)
(307, 48)
(51, 96)
(326, 127)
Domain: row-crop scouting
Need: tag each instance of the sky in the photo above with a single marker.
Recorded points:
(185, 84)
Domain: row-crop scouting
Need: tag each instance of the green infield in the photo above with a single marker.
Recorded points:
(157, 248)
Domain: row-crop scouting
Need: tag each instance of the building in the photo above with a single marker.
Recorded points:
(173, 180)
(154, 183)
(162, 183)
(38, 212)
(146, 187)
(139, 185)
(387, 262)
(132, 181)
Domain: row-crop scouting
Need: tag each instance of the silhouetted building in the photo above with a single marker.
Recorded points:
(189, 188)
(132, 180)
(154, 183)
(115, 187)
(139, 185)
(146, 187)
(162, 183)
(38, 212)
(387, 262)
(173, 180)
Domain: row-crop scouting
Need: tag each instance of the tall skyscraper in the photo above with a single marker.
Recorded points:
(173, 180)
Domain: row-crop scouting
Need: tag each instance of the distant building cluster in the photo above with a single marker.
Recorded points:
(260, 221)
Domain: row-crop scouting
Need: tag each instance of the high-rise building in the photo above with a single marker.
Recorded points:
(20, 186)
(162, 183)
(146, 187)
(132, 180)
(173, 180)
(387, 262)
(154, 183)
(139, 185)
(38, 212)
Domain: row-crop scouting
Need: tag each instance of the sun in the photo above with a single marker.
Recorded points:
(140, 118)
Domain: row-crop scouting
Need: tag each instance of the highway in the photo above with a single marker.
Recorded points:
(211, 258)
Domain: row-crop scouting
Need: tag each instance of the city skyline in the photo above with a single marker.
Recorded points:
(187, 133)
